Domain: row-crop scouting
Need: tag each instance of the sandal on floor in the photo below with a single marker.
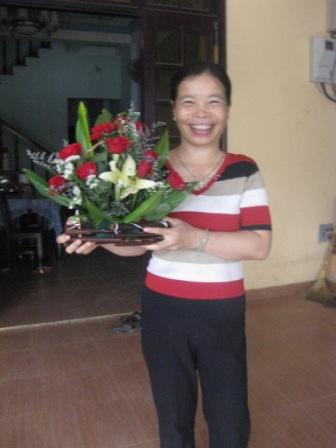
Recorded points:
(130, 323)
(136, 316)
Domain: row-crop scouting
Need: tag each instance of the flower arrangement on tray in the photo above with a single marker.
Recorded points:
(114, 176)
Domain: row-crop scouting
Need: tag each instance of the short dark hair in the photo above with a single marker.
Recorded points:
(213, 69)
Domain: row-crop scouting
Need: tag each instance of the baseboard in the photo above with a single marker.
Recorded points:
(278, 291)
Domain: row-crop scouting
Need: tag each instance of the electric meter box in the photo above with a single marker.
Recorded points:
(323, 60)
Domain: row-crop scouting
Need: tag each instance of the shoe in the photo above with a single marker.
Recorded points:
(130, 324)
(134, 316)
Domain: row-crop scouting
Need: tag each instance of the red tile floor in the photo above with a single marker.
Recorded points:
(67, 381)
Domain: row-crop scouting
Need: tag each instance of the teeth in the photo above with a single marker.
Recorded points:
(201, 126)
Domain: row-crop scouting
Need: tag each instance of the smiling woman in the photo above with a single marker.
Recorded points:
(193, 301)
(201, 112)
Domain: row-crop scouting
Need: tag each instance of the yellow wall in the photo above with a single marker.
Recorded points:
(279, 118)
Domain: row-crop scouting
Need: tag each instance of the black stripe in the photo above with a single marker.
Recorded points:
(257, 227)
(239, 169)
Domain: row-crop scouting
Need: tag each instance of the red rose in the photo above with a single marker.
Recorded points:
(70, 150)
(56, 182)
(100, 130)
(144, 168)
(139, 126)
(151, 154)
(86, 170)
(118, 145)
(176, 181)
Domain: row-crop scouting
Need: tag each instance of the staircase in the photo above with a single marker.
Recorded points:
(15, 52)
(13, 151)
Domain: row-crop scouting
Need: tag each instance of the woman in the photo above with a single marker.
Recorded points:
(193, 301)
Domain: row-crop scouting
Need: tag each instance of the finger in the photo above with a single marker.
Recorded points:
(63, 238)
(86, 248)
(155, 230)
(73, 246)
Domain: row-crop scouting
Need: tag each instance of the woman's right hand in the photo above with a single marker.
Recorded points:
(77, 246)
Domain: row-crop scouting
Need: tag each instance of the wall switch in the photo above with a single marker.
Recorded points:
(325, 232)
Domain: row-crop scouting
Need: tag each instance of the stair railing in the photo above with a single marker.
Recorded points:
(16, 144)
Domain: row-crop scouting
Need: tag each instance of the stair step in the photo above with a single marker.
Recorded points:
(17, 54)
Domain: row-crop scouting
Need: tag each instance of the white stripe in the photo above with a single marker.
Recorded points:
(254, 198)
(203, 273)
(210, 204)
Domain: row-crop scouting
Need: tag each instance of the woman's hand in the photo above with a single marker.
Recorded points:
(86, 247)
(238, 245)
(77, 246)
(180, 235)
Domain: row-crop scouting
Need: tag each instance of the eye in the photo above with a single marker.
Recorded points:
(187, 102)
(215, 101)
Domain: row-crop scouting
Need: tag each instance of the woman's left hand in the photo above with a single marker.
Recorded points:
(180, 235)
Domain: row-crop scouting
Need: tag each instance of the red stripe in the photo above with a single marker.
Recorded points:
(212, 221)
(195, 290)
(255, 215)
(236, 158)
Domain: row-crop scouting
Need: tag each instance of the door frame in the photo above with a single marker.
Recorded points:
(141, 10)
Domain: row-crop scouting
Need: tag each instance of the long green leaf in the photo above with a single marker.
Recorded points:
(83, 130)
(96, 215)
(162, 148)
(42, 187)
(170, 202)
(144, 208)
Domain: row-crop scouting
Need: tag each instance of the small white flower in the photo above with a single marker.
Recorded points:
(69, 170)
(59, 165)
(77, 196)
(92, 181)
(71, 159)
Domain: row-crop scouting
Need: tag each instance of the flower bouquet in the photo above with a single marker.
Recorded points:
(115, 176)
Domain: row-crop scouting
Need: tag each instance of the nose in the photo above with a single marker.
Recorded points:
(201, 110)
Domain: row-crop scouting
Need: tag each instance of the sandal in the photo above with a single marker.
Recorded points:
(130, 323)
(135, 316)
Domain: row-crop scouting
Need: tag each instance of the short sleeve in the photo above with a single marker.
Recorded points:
(254, 204)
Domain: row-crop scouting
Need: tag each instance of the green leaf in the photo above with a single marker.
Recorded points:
(162, 148)
(83, 130)
(42, 187)
(170, 202)
(96, 214)
(144, 208)
(101, 156)
(104, 117)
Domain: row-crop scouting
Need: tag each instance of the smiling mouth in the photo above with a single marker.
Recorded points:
(201, 129)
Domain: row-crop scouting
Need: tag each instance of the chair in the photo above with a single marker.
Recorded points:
(18, 241)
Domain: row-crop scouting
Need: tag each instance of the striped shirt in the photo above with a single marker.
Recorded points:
(234, 199)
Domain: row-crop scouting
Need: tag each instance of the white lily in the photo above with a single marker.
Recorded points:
(125, 180)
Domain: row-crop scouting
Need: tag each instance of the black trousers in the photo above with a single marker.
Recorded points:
(184, 340)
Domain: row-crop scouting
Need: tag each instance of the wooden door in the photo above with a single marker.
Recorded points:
(170, 41)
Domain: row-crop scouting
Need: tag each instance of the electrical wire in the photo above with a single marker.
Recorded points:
(326, 94)
(333, 87)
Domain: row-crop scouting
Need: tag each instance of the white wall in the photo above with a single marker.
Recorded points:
(35, 98)
(279, 118)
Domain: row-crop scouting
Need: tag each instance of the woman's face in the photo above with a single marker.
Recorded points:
(201, 110)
